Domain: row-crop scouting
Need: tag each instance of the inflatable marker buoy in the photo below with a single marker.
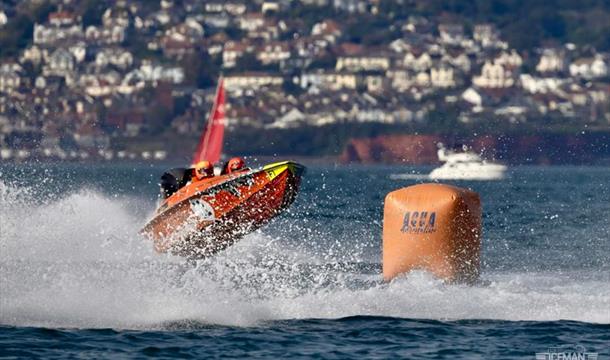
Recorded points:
(433, 227)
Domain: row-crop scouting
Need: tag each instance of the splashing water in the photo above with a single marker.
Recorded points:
(77, 261)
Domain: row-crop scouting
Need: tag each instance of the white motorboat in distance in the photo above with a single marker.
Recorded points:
(466, 165)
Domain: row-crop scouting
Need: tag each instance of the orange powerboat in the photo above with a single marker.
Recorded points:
(200, 217)
(206, 216)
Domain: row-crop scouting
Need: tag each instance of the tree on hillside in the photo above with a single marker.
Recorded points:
(17, 33)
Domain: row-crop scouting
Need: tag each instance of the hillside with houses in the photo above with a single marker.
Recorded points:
(133, 79)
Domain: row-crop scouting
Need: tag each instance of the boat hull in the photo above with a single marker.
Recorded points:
(469, 171)
(206, 217)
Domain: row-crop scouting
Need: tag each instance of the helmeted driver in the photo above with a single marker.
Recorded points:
(233, 165)
(204, 169)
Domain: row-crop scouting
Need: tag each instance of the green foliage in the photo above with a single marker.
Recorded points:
(92, 11)
(290, 88)
(310, 15)
(201, 70)
(158, 118)
(249, 62)
(235, 33)
(181, 105)
(17, 33)
(326, 62)
(523, 23)
(13, 35)
(137, 45)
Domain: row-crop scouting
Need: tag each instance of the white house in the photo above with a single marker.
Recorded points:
(494, 75)
(114, 34)
(233, 51)
(399, 46)
(510, 59)
(252, 80)
(33, 54)
(231, 7)
(458, 60)
(417, 61)
(400, 80)
(442, 77)
(535, 85)
(309, 46)
(328, 29)
(270, 30)
(373, 115)
(95, 86)
(190, 30)
(10, 77)
(269, 6)
(375, 83)
(62, 18)
(47, 35)
(118, 57)
(329, 80)
(99, 85)
(402, 115)
(149, 72)
(250, 22)
(422, 79)
(589, 68)
(219, 21)
(273, 52)
(362, 62)
(291, 119)
(416, 24)
(60, 63)
(551, 60)
(351, 6)
(512, 111)
(486, 35)
(78, 50)
(115, 17)
(473, 97)
(451, 33)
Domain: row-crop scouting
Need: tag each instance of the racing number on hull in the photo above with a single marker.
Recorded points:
(202, 209)
(275, 172)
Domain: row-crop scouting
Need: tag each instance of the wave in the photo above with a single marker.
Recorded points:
(409, 176)
(78, 261)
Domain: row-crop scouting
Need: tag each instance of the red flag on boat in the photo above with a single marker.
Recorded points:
(210, 143)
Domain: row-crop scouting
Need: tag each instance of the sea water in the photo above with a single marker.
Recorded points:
(76, 279)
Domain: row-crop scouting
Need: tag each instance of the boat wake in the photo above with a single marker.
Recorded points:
(408, 176)
(78, 262)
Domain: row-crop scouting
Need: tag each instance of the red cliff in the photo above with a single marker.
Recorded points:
(517, 149)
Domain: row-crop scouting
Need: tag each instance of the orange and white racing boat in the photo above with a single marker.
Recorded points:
(206, 216)
(200, 217)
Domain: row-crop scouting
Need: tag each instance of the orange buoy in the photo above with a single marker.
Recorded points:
(433, 227)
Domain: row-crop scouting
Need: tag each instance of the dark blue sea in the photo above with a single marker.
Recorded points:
(77, 281)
